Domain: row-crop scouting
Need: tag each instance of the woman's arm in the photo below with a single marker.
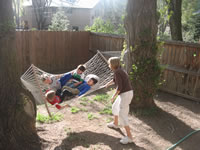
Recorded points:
(109, 83)
(115, 96)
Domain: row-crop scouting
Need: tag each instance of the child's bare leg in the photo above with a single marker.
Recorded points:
(128, 131)
(116, 120)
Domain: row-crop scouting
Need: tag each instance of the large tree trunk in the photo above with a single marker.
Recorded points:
(175, 13)
(17, 111)
(141, 27)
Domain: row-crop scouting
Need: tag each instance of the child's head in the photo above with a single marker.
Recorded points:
(46, 79)
(92, 81)
(114, 63)
(80, 69)
(50, 95)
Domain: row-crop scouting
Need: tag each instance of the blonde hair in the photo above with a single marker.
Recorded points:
(114, 62)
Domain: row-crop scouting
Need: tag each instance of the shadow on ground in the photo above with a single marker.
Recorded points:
(87, 138)
(171, 129)
(179, 101)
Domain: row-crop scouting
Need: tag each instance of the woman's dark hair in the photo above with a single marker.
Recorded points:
(94, 80)
(81, 67)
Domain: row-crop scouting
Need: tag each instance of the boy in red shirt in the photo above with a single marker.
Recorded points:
(54, 100)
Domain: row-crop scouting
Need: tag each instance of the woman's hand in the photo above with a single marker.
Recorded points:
(115, 96)
(109, 83)
(112, 100)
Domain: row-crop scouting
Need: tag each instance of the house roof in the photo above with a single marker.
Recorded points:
(64, 3)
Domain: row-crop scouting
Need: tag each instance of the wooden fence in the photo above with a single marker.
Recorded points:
(181, 61)
(106, 42)
(182, 69)
(53, 52)
(62, 51)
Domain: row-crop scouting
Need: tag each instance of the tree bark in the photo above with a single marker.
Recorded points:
(141, 25)
(17, 122)
(175, 13)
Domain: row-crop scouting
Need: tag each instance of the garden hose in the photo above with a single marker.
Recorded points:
(183, 139)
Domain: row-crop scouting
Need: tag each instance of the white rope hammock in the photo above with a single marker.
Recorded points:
(97, 65)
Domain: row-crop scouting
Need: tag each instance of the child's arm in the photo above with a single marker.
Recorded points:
(78, 83)
(118, 81)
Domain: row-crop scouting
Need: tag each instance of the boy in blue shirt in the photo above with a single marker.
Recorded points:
(80, 90)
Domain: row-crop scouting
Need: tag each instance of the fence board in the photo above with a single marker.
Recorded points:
(52, 51)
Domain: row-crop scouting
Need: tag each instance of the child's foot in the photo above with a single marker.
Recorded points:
(112, 125)
(126, 140)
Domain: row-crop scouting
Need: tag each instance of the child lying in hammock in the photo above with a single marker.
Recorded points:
(80, 90)
(77, 77)
(72, 79)
(59, 96)
(54, 100)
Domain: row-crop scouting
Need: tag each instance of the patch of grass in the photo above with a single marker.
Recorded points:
(107, 110)
(83, 103)
(91, 102)
(46, 119)
(84, 109)
(91, 116)
(108, 120)
(101, 97)
(146, 111)
(84, 98)
(75, 110)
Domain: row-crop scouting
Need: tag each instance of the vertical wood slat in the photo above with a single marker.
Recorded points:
(52, 51)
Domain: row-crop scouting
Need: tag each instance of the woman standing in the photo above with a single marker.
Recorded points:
(121, 99)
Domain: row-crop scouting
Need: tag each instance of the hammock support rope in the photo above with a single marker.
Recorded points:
(43, 97)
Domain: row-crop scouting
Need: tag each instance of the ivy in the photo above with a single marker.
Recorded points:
(146, 74)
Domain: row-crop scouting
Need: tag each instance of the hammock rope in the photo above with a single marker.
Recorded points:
(97, 65)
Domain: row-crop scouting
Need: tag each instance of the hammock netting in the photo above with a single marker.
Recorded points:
(97, 65)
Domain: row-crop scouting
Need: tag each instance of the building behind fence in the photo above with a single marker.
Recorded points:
(58, 52)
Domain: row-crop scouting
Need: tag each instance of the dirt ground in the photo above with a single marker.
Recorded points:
(175, 118)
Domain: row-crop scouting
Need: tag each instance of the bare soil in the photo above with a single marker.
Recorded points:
(176, 117)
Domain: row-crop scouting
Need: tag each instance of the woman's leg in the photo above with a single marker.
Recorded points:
(115, 110)
(128, 132)
(116, 120)
(124, 110)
